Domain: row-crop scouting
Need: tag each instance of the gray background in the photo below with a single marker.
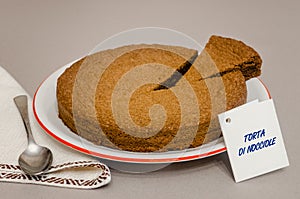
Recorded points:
(38, 37)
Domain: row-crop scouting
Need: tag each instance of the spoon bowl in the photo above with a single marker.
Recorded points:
(35, 159)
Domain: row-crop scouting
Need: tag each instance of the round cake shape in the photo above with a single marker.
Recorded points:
(88, 101)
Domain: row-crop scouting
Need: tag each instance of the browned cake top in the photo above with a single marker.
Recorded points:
(88, 70)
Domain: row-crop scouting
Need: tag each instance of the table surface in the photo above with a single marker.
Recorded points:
(38, 37)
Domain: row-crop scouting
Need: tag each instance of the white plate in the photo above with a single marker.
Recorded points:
(45, 111)
(45, 106)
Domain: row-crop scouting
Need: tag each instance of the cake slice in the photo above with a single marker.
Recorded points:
(230, 54)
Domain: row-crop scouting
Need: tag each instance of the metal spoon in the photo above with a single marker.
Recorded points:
(35, 159)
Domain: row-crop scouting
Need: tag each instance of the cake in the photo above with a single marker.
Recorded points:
(146, 98)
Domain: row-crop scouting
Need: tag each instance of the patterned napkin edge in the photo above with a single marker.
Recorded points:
(13, 173)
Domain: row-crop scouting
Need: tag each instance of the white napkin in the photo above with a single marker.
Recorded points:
(69, 169)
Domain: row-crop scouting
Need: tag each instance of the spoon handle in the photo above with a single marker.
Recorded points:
(21, 103)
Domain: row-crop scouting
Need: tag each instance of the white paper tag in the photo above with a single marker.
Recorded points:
(253, 139)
